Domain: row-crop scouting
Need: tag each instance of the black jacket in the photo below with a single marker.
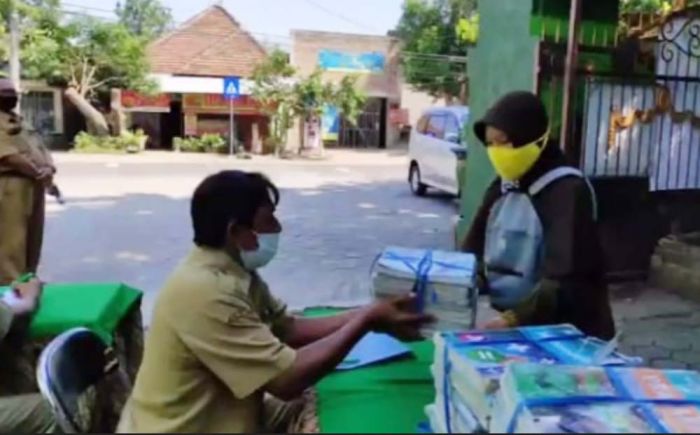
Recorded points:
(572, 289)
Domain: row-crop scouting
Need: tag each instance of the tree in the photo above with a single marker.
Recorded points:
(86, 55)
(273, 89)
(39, 21)
(286, 96)
(146, 18)
(101, 56)
(436, 35)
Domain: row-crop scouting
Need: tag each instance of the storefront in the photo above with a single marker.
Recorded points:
(374, 61)
(210, 114)
(189, 66)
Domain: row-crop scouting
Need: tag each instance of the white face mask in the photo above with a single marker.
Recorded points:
(261, 257)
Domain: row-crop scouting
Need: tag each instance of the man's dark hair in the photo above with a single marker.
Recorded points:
(228, 197)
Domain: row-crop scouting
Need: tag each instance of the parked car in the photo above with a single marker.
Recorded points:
(437, 150)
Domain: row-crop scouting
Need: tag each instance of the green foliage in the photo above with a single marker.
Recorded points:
(311, 94)
(146, 18)
(104, 55)
(436, 35)
(468, 29)
(127, 142)
(207, 143)
(286, 96)
(41, 32)
(273, 88)
(646, 6)
(88, 54)
(348, 100)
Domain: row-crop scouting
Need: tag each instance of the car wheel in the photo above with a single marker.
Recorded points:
(414, 179)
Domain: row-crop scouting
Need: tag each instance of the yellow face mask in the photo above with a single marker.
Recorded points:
(512, 163)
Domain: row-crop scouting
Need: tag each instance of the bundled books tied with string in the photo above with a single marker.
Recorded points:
(444, 283)
(567, 399)
(468, 366)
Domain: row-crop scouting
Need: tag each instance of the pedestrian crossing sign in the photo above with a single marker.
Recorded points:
(232, 87)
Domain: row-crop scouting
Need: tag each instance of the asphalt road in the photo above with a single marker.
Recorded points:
(128, 221)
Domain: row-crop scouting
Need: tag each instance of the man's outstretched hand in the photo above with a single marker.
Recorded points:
(399, 317)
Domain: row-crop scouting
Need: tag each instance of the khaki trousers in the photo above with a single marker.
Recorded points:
(22, 211)
(26, 414)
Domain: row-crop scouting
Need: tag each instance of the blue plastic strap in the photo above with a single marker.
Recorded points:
(447, 368)
(422, 272)
(424, 427)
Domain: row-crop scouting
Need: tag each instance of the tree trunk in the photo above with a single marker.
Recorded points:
(94, 118)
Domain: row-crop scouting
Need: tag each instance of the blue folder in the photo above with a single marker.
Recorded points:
(374, 348)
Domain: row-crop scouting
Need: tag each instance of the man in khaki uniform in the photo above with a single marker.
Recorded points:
(26, 170)
(28, 413)
(222, 354)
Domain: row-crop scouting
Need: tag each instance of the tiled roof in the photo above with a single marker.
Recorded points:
(210, 44)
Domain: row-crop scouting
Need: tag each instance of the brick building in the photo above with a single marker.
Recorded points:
(376, 61)
(190, 65)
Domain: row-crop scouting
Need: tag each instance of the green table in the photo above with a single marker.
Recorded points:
(386, 398)
(98, 307)
(111, 310)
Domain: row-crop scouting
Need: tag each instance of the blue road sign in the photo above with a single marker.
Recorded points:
(232, 87)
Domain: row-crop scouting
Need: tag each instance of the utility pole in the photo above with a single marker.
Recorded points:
(15, 38)
(568, 116)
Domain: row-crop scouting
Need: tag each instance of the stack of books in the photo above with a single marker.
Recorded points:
(566, 399)
(443, 281)
(468, 367)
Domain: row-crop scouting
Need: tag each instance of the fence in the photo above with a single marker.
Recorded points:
(643, 125)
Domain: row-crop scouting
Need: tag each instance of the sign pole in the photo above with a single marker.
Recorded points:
(232, 128)
(231, 91)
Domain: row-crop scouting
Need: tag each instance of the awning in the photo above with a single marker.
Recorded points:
(170, 84)
(599, 25)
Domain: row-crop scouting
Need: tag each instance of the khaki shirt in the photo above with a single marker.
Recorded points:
(209, 351)
(6, 318)
(27, 143)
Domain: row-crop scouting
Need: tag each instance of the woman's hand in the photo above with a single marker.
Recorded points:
(496, 323)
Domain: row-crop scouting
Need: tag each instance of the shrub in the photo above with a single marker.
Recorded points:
(207, 143)
(128, 142)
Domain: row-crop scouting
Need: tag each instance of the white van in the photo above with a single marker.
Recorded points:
(437, 149)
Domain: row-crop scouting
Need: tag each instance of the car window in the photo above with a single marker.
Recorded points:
(436, 126)
(452, 127)
(422, 124)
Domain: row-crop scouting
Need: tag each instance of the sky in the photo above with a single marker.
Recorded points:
(271, 20)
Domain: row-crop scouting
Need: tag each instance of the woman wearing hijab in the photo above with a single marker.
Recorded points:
(535, 232)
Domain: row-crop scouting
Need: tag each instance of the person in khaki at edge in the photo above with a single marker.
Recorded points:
(222, 354)
(26, 170)
(26, 413)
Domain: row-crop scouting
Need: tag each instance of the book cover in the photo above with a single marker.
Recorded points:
(594, 418)
(535, 382)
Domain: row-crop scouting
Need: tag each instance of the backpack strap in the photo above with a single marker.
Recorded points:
(559, 173)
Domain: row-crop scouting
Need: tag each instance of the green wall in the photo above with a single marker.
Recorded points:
(502, 61)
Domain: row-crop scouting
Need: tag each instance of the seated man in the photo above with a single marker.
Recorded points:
(220, 345)
(30, 413)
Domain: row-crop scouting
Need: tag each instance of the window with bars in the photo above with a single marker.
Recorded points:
(38, 111)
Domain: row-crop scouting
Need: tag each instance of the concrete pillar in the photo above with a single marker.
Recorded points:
(257, 146)
(293, 144)
(117, 117)
(503, 60)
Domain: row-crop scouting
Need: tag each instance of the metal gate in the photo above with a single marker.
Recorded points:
(370, 129)
(641, 117)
